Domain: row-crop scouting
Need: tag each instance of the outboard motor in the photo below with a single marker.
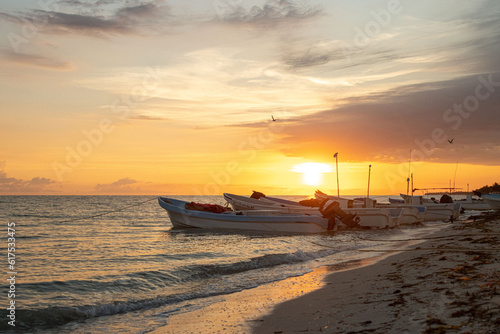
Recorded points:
(331, 209)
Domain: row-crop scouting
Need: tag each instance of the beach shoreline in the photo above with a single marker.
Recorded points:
(450, 282)
(240, 312)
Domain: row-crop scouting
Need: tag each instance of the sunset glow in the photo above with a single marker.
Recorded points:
(203, 97)
(312, 171)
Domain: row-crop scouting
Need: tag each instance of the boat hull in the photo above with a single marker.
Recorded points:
(410, 214)
(376, 217)
(476, 205)
(445, 212)
(435, 211)
(493, 200)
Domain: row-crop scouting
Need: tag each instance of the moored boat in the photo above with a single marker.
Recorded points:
(470, 203)
(493, 200)
(252, 220)
(369, 217)
(434, 211)
(410, 215)
(239, 202)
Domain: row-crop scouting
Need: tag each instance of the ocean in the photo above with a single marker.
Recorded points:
(114, 264)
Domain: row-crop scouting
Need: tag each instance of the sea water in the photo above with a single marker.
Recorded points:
(112, 264)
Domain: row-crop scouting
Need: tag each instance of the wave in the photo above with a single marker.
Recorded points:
(55, 316)
(156, 279)
(265, 261)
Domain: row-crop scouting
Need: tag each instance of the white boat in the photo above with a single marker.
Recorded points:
(253, 220)
(238, 202)
(435, 211)
(377, 217)
(369, 217)
(493, 200)
(422, 199)
(344, 202)
(410, 214)
(470, 203)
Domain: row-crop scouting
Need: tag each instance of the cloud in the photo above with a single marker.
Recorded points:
(107, 18)
(267, 12)
(126, 20)
(142, 117)
(96, 5)
(40, 181)
(120, 186)
(12, 185)
(384, 126)
(36, 61)
(467, 40)
(311, 57)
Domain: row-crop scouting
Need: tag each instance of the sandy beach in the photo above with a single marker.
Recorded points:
(448, 283)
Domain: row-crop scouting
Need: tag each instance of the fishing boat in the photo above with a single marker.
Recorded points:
(435, 211)
(238, 202)
(410, 214)
(344, 202)
(493, 200)
(249, 220)
(470, 203)
(422, 199)
(368, 217)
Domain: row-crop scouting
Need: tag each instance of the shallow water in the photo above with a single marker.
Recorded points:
(129, 270)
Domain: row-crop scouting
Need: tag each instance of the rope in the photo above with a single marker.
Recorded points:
(107, 212)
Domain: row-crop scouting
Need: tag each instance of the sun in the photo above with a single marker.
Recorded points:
(312, 172)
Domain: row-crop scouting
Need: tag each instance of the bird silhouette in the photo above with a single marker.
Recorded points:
(273, 118)
(451, 141)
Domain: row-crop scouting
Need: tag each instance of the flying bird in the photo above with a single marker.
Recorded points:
(451, 141)
(273, 118)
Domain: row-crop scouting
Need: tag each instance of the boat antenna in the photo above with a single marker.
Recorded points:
(412, 189)
(369, 172)
(455, 177)
(408, 178)
(336, 156)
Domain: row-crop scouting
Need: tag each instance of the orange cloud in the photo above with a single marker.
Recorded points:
(119, 186)
(12, 185)
(36, 61)
(422, 118)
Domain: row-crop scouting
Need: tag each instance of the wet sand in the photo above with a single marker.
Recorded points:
(449, 283)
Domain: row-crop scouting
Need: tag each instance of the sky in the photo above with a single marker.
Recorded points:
(204, 97)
